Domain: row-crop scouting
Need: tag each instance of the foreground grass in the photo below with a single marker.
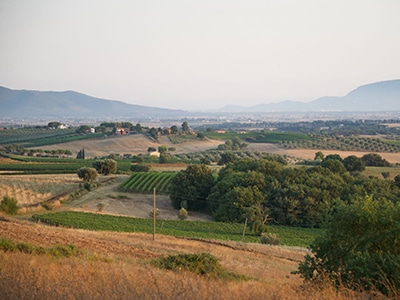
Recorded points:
(290, 236)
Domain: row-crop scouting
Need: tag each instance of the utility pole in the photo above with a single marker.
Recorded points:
(154, 214)
(244, 229)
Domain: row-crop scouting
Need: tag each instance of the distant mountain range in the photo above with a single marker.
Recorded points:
(70, 104)
(379, 96)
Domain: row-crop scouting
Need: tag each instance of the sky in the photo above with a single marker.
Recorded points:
(199, 54)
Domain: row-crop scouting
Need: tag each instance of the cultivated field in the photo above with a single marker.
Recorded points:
(130, 144)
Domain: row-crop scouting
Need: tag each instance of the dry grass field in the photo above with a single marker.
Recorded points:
(33, 189)
(117, 266)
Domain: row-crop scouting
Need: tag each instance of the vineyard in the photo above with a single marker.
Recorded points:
(38, 165)
(35, 137)
(290, 236)
(146, 182)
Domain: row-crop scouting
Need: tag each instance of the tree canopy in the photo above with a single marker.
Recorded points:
(361, 247)
(189, 188)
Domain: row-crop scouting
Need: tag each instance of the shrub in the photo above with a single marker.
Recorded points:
(87, 174)
(183, 214)
(100, 206)
(203, 264)
(9, 205)
(140, 167)
(270, 238)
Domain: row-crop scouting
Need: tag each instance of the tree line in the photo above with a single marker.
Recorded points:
(266, 189)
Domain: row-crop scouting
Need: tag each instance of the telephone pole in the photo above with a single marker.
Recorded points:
(154, 214)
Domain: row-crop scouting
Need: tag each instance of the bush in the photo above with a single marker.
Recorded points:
(203, 264)
(140, 167)
(270, 238)
(183, 214)
(9, 205)
(87, 174)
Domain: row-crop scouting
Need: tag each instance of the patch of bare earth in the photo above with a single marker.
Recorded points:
(128, 204)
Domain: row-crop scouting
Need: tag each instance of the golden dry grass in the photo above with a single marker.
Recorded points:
(116, 266)
(32, 189)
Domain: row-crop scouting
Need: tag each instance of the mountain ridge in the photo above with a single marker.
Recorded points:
(378, 96)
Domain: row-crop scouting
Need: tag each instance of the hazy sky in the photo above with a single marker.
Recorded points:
(198, 54)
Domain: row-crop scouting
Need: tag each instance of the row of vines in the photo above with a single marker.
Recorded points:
(146, 182)
(345, 144)
(290, 236)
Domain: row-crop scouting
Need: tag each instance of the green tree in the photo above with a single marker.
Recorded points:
(138, 128)
(335, 165)
(162, 149)
(81, 154)
(374, 160)
(87, 174)
(227, 158)
(360, 249)
(164, 158)
(191, 186)
(319, 156)
(200, 135)
(153, 133)
(174, 129)
(105, 166)
(140, 167)
(54, 124)
(185, 127)
(397, 181)
(9, 205)
(353, 163)
(83, 129)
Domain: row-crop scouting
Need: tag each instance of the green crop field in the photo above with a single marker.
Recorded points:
(290, 236)
(35, 137)
(41, 165)
(145, 182)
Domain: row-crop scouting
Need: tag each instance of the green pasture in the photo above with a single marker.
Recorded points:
(290, 236)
